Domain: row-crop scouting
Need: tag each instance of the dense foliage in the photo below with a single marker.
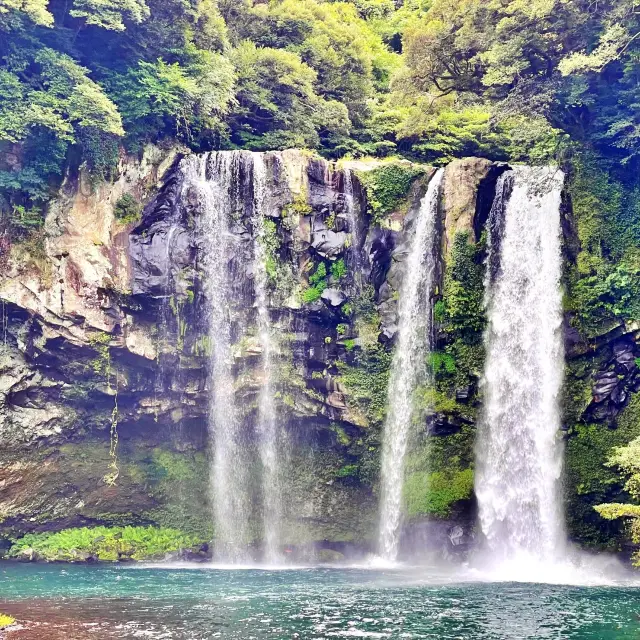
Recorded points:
(627, 459)
(431, 78)
(103, 543)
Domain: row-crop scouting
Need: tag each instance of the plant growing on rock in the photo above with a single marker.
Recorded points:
(627, 459)
(367, 380)
(436, 493)
(317, 284)
(338, 270)
(108, 544)
(387, 187)
(593, 480)
(127, 209)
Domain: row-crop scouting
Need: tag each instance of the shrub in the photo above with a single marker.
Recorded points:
(107, 544)
(338, 270)
(317, 284)
(127, 209)
(387, 187)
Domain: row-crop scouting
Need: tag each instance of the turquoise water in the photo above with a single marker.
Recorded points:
(81, 602)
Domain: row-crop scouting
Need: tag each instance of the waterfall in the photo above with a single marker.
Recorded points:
(267, 428)
(352, 219)
(519, 453)
(211, 178)
(217, 183)
(409, 368)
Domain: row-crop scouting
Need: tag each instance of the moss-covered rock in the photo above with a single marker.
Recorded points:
(387, 188)
(591, 481)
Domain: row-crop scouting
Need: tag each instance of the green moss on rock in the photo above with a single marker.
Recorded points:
(591, 481)
(604, 283)
(367, 380)
(387, 187)
(439, 474)
(461, 320)
(434, 494)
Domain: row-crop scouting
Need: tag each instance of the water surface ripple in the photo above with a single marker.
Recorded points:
(80, 602)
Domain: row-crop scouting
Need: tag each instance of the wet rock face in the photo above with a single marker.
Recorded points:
(29, 401)
(161, 247)
(468, 192)
(613, 385)
(116, 317)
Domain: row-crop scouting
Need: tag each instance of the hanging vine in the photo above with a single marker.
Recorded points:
(102, 366)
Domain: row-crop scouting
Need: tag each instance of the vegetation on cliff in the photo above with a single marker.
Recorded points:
(107, 544)
(434, 79)
(627, 459)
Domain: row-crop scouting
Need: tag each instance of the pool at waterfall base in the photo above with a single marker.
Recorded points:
(78, 602)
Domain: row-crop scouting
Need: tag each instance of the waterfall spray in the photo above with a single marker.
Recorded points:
(409, 368)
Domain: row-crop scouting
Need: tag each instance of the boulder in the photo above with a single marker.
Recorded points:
(461, 184)
(603, 386)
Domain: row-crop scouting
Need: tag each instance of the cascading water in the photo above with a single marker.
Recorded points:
(352, 219)
(268, 432)
(409, 368)
(211, 178)
(218, 181)
(519, 453)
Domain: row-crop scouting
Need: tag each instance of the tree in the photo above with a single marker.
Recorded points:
(110, 14)
(627, 459)
(51, 92)
(350, 60)
(158, 96)
(277, 103)
(15, 13)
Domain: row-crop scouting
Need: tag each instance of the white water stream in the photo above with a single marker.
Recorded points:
(519, 450)
(215, 180)
(409, 368)
(210, 178)
(270, 437)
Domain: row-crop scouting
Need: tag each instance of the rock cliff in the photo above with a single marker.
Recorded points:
(104, 350)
